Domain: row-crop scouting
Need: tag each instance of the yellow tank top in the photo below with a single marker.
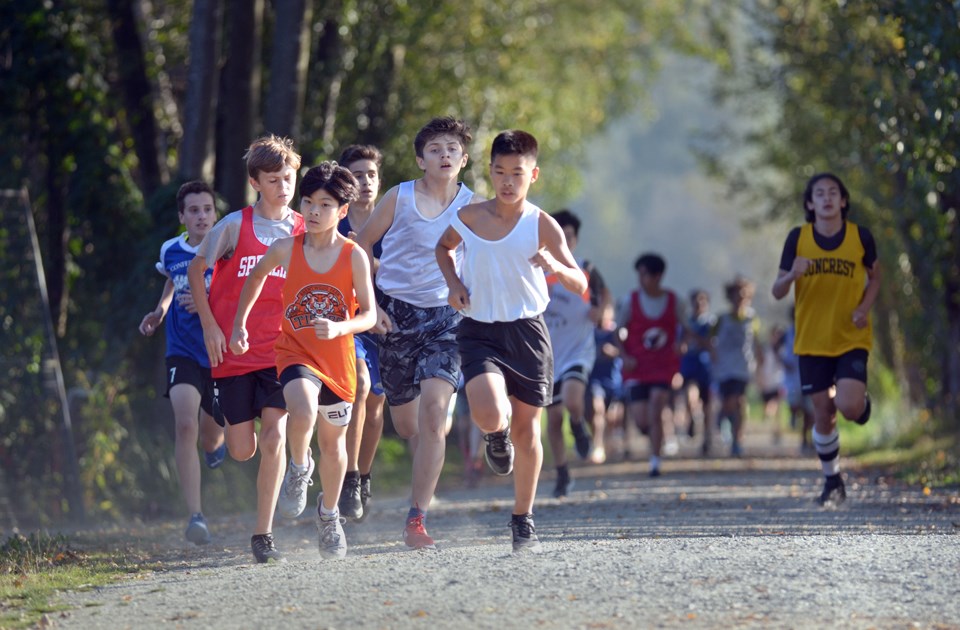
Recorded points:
(827, 295)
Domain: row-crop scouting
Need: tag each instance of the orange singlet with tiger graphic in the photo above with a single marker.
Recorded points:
(308, 294)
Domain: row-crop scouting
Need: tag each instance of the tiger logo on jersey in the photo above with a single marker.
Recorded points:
(654, 338)
(316, 300)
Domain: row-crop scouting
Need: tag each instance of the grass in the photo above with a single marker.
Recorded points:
(34, 568)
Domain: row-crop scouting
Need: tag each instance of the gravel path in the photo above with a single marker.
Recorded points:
(712, 543)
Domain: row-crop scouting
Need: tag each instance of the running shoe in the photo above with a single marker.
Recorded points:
(524, 534)
(834, 492)
(264, 549)
(865, 416)
(333, 542)
(293, 492)
(581, 439)
(415, 535)
(215, 458)
(564, 483)
(365, 495)
(499, 452)
(197, 531)
(351, 501)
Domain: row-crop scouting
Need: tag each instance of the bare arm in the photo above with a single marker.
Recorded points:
(371, 232)
(458, 296)
(213, 338)
(781, 287)
(554, 256)
(278, 255)
(151, 321)
(862, 312)
(366, 316)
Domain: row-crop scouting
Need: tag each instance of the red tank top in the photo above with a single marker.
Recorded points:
(308, 294)
(263, 323)
(652, 342)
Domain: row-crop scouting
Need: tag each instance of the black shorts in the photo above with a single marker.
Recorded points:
(243, 398)
(575, 373)
(293, 372)
(640, 392)
(520, 351)
(773, 394)
(186, 371)
(818, 373)
(732, 387)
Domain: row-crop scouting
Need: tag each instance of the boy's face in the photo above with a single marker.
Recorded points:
(571, 236)
(649, 282)
(199, 214)
(443, 156)
(321, 211)
(700, 303)
(512, 175)
(827, 201)
(276, 188)
(368, 174)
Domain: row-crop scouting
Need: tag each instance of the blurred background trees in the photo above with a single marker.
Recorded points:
(109, 106)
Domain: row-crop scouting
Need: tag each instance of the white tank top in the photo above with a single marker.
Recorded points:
(503, 285)
(571, 329)
(408, 267)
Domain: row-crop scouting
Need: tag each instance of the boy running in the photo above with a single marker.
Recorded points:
(420, 365)
(509, 244)
(247, 385)
(833, 264)
(327, 278)
(189, 384)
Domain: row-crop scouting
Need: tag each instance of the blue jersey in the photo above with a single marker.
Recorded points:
(345, 228)
(184, 332)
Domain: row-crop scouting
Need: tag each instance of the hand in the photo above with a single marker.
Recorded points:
(384, 324)
(151, 321)
(800, 266)
(215, 344)
(544, 260)
(185, 300)
(325, 328)
(459, 297)
(239, 341)
(860, 318)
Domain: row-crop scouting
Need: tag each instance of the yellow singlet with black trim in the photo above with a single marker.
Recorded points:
(828, 293)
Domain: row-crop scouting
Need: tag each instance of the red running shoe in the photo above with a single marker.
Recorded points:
(415, 536)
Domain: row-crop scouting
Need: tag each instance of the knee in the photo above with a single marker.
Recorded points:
(363, 387)
(332, 448)
(186, 429)
(272, 440)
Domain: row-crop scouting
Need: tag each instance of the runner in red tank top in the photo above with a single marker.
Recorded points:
(327, 298)
(651, 357)
(247, 387)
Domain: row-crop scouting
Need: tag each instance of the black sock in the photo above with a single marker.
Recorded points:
(364, 478)
(352, 474)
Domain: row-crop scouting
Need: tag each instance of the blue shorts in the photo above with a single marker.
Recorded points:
(368, 349)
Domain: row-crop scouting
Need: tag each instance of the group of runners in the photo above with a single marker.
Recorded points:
(311, 321)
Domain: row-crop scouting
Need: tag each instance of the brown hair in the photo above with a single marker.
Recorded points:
(442, 126)
(268, 154)
(357, 152)
(192, 188)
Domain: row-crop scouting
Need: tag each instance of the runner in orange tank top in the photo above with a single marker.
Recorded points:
(327, 298)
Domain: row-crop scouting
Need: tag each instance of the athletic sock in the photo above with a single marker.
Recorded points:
(365, 478)
(299, 468)
(329, 515)
(828, 450)
(416, 512)
(352, 474)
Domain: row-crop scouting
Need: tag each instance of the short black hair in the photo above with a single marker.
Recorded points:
(564, 217)
(808, 195)
(357, 152)
(333, 178)
(653, 263)
(514, 142)
(192, 188)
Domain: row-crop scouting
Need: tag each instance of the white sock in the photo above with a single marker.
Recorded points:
(828, 450)
(329, 515)
(299, 468)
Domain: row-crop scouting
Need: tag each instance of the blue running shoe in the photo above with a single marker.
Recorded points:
(216, 458)
(197, 531)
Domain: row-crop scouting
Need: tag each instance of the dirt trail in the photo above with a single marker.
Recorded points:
(712, 543)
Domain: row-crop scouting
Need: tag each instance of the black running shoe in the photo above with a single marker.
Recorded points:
(264, 550)
(581, 439)
(865, 416)
(351, 503)
(564, 483)
(499, 452)
(834, 492)
(365, 495)
(524, 534)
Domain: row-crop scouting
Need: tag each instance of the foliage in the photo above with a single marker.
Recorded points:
(867, 90)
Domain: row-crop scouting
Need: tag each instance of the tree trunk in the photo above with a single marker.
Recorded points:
(199, 104)
(288, 67)
(950, 203)
(239, 99)
(137, 94)
(55, 267)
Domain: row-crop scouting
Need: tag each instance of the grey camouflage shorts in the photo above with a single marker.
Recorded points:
(422, 345)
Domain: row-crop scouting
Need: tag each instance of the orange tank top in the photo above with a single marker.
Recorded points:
(308, 294)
